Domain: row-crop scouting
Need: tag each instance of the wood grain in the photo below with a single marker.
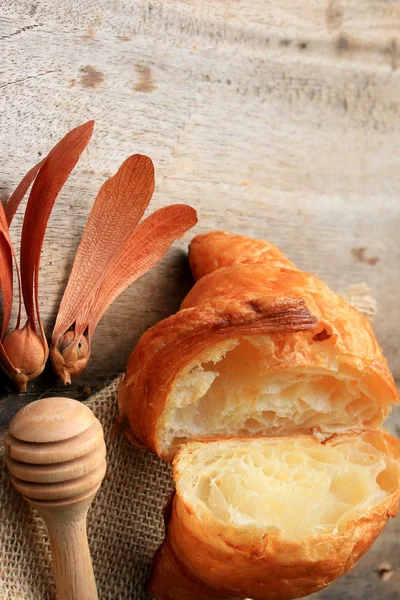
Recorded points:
(273, 119)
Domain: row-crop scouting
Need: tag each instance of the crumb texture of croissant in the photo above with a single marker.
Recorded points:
(274, 518)
(234, 390)
(263, 483)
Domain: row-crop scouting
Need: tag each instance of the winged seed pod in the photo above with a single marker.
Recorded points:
(24, 351)
(114, 251)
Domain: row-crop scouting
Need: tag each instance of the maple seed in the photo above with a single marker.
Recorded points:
(23, 353)
(112, 257)
(27, 354)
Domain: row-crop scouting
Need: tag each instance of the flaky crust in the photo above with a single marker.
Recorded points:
(248, 287)
(204, 558)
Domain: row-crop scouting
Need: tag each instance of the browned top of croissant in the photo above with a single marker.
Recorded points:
(211, 251)
(258, 347)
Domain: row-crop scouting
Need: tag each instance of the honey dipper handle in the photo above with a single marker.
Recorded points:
(73, 568)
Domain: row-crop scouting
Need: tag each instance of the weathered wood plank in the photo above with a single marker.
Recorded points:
(274, 119)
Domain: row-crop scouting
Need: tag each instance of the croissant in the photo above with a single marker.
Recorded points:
(262, 362)
(258, 347)
(273, 518)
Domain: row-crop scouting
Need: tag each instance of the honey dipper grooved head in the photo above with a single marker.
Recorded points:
(51, 420)
(55, 451)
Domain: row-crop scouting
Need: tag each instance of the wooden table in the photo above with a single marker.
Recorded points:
(274, 119)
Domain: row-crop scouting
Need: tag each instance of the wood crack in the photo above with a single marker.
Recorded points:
(20, 30)
(3, 85)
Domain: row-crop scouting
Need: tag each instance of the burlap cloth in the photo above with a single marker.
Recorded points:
(125, 523)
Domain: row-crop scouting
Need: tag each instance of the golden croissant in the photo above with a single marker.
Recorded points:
(268, 390)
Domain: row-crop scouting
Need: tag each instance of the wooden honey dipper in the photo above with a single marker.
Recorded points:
(56, 459)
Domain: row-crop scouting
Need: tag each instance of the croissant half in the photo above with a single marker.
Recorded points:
(238, 388)
(258, 347)
(273, 518)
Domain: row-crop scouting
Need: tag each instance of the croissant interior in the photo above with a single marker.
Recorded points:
(235, 389)
(294, 487)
